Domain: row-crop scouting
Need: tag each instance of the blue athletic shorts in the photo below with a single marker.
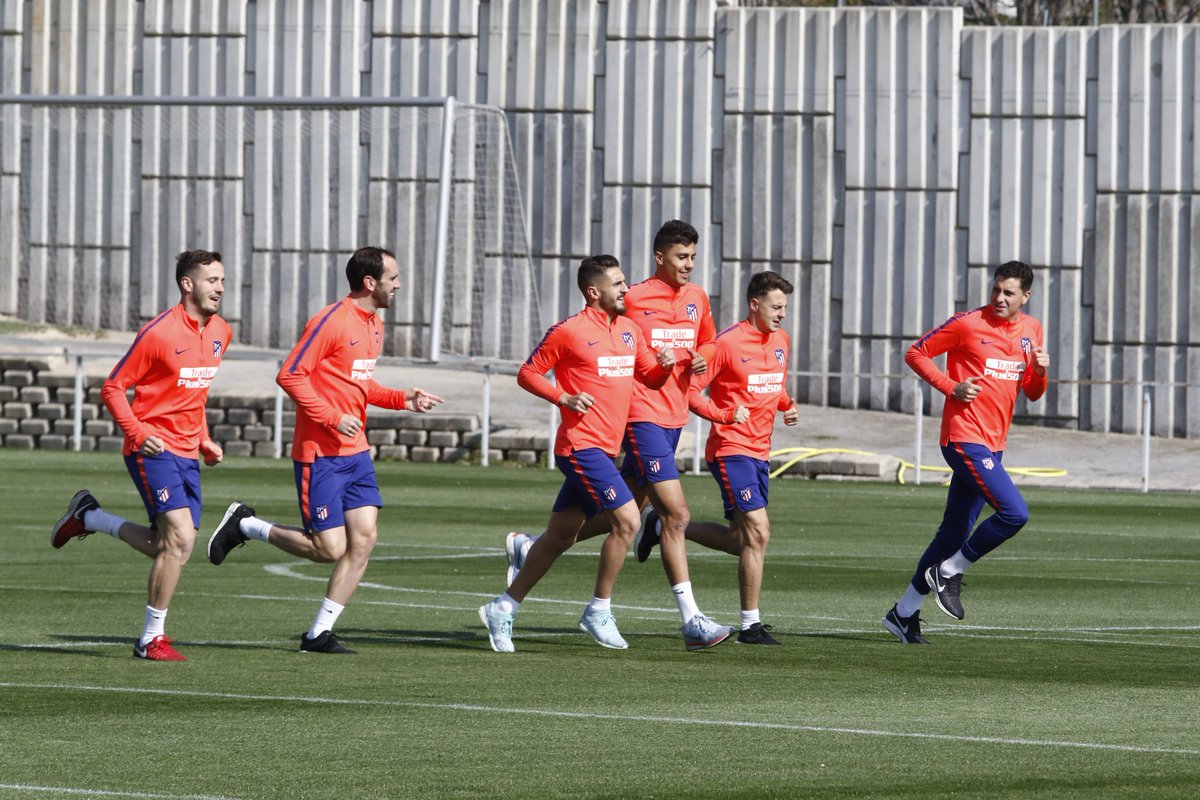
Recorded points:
(592, 482)
(332, 485)
(649, 453)
(166, 482)
(743, 482)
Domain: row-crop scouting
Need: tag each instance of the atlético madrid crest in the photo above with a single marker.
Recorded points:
(1026, 345)
(693, 312)
(217, 349)
(779, 356)
(627, 338)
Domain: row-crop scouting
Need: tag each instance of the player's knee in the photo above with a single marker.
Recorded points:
(674, 525)
(327, 552)
(1015, 515)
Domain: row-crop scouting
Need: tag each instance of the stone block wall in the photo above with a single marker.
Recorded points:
(37, 411)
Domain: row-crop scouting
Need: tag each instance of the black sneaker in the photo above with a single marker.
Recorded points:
(756, 634)
(647, 535)
(326, 642)
(70, 525)
(228, 534)
(946, 590)
(906, 629)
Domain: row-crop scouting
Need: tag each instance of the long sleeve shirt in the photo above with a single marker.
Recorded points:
(748, 368)
(170, 365)
(330, 372)
(589, 352)
(978, 343)
(676, 318)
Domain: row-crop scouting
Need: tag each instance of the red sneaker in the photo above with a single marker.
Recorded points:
(70, 525)
(159, 649)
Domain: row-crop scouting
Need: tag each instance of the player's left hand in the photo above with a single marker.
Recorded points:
(666, 359)
(791, 416)
(212, 452)
(1041, 360)
(699, 362)
(422, 401)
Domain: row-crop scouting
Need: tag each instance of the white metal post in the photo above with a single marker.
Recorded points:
(445, 183)
(279, 417)
(920, 411)
(77, 428)
(484, 441)
(1146, 416)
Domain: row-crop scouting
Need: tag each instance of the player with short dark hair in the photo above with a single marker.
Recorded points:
(747, 385)
(596, 356)
(672, 313)
(330, 376)
(170, 366)
(993, 352)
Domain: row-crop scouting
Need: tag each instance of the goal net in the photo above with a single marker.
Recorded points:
(98, 195)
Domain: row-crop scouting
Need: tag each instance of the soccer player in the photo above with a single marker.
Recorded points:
(596, 356)
(170, 366)
(673, 314)
(330, 376)
(746, 381)
(992, 352)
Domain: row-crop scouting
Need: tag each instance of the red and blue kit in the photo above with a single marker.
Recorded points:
(979, 343)
(675, 318)
(330, 372)
(748, 368)
(589, 352)
(1001, 353)
(170, 365)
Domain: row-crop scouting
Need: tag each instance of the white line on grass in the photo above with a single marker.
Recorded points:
(23, 787)
(587, 715)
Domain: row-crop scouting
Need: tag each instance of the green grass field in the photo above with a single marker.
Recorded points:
(1075, 673)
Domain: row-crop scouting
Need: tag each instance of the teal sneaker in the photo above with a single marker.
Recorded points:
(516, 545)
(499, 627)
(602, 626)
(701, 633)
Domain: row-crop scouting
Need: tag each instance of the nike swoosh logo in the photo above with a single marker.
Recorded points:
(648, 313)
(903, 628)
(938, 585)
(744, 360)
(354, 342)
(986, 341)
(184, 350)
(593, 344)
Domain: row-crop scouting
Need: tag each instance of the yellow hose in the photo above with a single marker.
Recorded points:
(810, 452)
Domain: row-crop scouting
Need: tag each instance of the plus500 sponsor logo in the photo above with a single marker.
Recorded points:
(766, 383)
(363, 369)
(614, 366)
(196, 377)
(1003, 370)
(681, 338)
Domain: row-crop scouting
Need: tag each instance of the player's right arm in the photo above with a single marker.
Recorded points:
(128, 372)
(532, 375)
(702, 405)
(920, 356)
(294, 376)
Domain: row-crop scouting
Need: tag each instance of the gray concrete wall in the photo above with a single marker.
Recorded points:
(883, 159)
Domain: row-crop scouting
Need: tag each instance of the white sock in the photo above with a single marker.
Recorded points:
(749, 618)
(685, 600)
(327, 614)
(101, 521)
(156, 618)
(910, 602)
(600, 604)
(505, 604)
(954, 565)
(255, 528)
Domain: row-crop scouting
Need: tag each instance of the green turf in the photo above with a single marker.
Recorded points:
(1074, 674)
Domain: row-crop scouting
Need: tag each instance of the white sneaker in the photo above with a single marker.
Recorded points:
(516, 545)
(701, 633)
(499, 627)
(602, 626)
